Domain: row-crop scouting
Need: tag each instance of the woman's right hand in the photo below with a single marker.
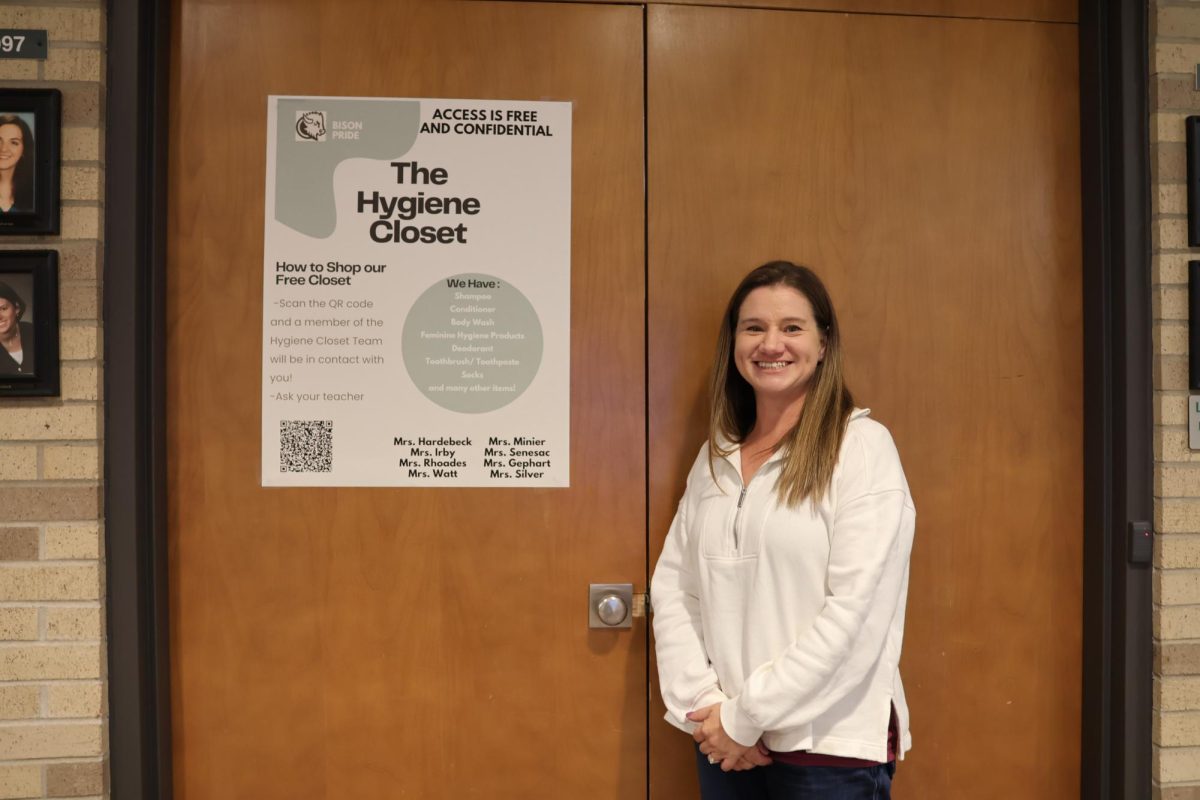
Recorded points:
(757, 756)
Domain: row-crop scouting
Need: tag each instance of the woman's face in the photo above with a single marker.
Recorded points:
(12, 145)
(8, 316)
(777, 345)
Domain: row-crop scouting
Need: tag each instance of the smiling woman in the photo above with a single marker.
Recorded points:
(796, 516)
(778, 345)
(16, 164)
(16, 337)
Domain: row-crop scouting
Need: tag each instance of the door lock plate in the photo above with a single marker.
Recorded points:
(610, 605)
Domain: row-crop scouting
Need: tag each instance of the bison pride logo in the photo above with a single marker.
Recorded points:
(310, 126)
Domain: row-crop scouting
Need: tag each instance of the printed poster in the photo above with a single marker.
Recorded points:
(416, 293)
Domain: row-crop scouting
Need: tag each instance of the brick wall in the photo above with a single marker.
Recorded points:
(52, 656)
(1175, 52)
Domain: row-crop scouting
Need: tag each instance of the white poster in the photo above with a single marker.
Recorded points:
(416, 293)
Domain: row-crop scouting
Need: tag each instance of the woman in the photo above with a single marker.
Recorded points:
(16, 165)
(779, 596)
(16, 337)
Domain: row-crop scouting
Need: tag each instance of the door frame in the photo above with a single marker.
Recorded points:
(1115, 724)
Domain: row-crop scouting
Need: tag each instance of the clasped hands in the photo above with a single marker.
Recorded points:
(719, 747)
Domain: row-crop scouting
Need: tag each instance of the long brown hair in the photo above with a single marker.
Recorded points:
(811, 448)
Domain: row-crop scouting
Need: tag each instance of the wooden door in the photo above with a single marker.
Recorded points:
(377, 643)
(431, 643)
(928, 169)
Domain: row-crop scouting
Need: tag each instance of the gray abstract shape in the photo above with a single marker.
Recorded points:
(307, 154)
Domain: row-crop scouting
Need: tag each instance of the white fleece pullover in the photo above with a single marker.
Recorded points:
(791, 618)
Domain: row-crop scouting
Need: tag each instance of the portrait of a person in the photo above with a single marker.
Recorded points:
(16, 165)
(16, 337)
(779, 596)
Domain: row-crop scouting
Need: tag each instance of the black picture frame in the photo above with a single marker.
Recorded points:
(29, 301)
(31, 185)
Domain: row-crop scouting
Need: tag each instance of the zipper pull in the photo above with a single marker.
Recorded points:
(742, 496)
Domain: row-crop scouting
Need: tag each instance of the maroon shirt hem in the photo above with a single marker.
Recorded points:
(805, 758)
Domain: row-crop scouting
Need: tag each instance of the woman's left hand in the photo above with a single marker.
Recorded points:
(713, 740)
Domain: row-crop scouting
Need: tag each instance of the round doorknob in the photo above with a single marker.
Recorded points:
(612, 610)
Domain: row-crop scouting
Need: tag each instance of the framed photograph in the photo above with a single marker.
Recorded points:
(30, 124)
(28, 323)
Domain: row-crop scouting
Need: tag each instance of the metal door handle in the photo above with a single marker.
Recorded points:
(610, 605)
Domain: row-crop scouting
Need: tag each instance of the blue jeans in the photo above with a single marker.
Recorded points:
(780, 781)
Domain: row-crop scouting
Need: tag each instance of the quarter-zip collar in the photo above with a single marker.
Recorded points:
(734, 458)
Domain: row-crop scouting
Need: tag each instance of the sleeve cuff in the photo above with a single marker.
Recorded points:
(710, 697)
(738, 725)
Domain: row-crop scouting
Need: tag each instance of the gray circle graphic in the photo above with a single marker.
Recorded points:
(472, 343)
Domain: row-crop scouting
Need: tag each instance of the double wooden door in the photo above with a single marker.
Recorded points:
(433, 643)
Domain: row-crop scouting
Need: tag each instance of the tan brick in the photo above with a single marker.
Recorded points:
(1168, 164)
(18, 543)
(1171, 339)
(1177, 552)
(1171, 445)
(1178, 729)
(1177, 793)
(64, 622)
(20, 781)
(1172, 481)
(1170, 268)
(81, 104)
(72, 64)
(67, 462)
(1169, 234)
(83, 222)
(81, 144)
(18, 69)
(74, 699)
(51, 740)
(83, 183)
(65, 542)
(49, 503)
(1173, 93)
(75, 779)
(1172, 302)
(79, 342)
(1175, 21)
(47, 422)
(80, 382)
(20, 701)
(22, 582)
(1176, 57)
(1170, 199)
(19, 623)
(82, 301)
(62, 24)
(18, 463)
(1177, 622)
(1168, 127)
(77, 261)
(1176, 516)
(1178, 764)
(1170, 373)
(19, 662)
(1177, 658)
(1178, 587)
(1170, 408)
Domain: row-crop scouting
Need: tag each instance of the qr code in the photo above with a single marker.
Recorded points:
(306, 445)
